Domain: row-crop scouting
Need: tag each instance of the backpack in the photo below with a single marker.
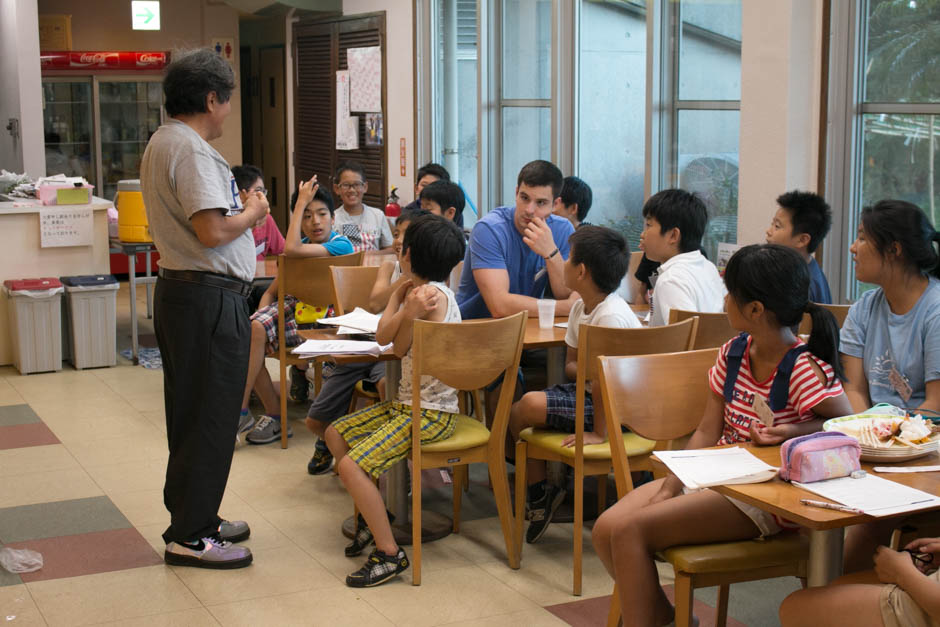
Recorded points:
(779, 389)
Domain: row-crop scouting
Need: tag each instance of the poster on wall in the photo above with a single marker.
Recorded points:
(347, 127)
(375, 129)
(365, 79)
(65, 227)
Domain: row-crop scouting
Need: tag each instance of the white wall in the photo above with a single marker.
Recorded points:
(21, 96)
(780, 85)
(399, 64)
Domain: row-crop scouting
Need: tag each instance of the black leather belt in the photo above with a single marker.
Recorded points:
(207, 278)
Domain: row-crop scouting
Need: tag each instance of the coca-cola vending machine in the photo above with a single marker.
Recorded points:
(99, 110)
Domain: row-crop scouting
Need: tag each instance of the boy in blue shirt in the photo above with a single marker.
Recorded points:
(802, 221)
(309, 234)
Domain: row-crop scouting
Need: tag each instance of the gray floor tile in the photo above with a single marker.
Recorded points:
(17, 415)
(60, 518)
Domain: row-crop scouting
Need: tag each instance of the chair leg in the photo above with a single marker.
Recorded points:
(601, 493)
(521, 490)
(578, 525)
(613, 614)
(683, 590)
(721, 612)
(416, 525)
(283, 386)
(317, 376)
(500, 483)
(459, 473)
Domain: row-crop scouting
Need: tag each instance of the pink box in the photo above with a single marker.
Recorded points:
(47, 193)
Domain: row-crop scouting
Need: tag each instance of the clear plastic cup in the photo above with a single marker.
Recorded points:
(546, 313)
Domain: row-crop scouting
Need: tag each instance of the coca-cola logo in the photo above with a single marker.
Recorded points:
(95, 58)
(150, 58)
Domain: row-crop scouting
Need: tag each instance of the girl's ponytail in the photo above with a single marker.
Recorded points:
(824, 338)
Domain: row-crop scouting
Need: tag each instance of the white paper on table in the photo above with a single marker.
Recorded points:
(561, 325)
(703, 468)
(312, 348)
(906, 469)
(358, 318)
(873, 495)
(365, 79)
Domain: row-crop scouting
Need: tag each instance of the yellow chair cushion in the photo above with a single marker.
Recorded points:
(744, 555)
(469, 433)
(551, 440)
(361, 391)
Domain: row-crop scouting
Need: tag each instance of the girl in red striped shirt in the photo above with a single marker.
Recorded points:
(768, 287)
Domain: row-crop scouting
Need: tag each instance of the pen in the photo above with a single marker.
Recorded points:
(835, 506)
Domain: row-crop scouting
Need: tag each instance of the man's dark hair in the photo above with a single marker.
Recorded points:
(674, 208)
(190, 78)
(434, 169)
(540, 173)
(447, 194)
(809, 214)
(245, 175)
(350, 166)
(411, 215)
(321, 195)
(604, 252)
(436, 245)
(575, 191)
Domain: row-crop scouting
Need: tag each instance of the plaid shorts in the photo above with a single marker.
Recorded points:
(267, 316)
(560, 408)
(380, 436)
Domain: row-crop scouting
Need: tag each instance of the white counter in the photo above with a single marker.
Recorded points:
(21, 257)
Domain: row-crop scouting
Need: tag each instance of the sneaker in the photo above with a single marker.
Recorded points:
(321, 462)
(299, 386)
(246, 422)
(378, 569)
(211, 553)
(267, 430)
(541, 512)
(361, 540)
(234, 530)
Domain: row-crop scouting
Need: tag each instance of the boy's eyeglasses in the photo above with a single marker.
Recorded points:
(264, 192)
(351, 186)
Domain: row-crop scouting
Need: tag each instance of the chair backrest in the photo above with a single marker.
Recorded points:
(308, 278)
(840, 312)
(455, 274)
(469, 356)
(352, 286)
(713, 328)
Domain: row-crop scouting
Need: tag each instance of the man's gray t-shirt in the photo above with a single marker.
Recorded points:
(180, 175)
(884, 341)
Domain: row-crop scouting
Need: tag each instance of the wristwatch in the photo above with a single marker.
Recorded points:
(554, 252)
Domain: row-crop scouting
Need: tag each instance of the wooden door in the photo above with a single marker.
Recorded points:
(274, 133)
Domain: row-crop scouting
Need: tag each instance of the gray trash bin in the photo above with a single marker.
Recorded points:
(91, 331)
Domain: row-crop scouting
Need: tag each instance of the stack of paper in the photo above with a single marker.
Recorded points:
(360, 320)
(873, 495)
(314, 348)
(703, 468)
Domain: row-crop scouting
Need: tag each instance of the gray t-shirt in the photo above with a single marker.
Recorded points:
(909, 343)
(181, 174)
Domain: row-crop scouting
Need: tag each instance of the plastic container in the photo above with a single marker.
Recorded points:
(90, 326)
(132, 216)
(49, 194)
(35, 314)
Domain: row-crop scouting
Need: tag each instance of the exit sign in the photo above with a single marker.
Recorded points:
(145, 14)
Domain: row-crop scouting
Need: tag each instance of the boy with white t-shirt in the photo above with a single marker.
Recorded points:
(595, 266)
(674, 223)
(365, 226)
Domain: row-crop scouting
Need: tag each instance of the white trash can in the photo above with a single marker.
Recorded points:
(90, 312)
(35, 313)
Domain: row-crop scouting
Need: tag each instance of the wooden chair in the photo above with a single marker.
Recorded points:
(713, 328)
(841, 312)
(674, 390)
(466, 356)
(455, 274)
(352, 286)
(594, 459)
(309, 280)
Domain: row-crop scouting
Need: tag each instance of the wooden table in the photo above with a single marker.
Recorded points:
(825, 526)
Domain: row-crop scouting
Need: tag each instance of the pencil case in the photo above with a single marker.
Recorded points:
(819, 456)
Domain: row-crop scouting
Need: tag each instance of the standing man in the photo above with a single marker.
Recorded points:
(207, 262)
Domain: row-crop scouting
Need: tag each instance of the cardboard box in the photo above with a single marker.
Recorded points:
(55, 32)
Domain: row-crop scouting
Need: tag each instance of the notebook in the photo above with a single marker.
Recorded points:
(703, 468)
(313, 348)
(873, 495)
(359, 319)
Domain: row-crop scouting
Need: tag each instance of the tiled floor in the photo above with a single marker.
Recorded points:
(82, 457)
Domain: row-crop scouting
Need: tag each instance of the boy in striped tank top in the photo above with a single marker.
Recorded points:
(767, 296)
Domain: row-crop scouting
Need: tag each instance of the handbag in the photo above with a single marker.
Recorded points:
(819, 456)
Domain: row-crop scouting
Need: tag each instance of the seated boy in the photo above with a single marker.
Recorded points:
(313, 215)
(802, 222)
(268, 238)
(368, 442)
(365, 226)
(672, 236)
(598, 260)
(336, 392)
(443, 198)
(574, 202)
(427, 174)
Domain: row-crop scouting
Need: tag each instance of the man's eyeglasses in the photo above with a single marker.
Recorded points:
(264, 192)
(348, 187)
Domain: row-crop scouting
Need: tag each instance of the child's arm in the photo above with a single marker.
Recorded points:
(897, 567)
(383, 288)
(422, 303)
(392, 316)
(856, 386)
(293, 246)
(270, 295)
(571, 363)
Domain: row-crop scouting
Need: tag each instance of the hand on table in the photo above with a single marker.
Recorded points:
(766, 436)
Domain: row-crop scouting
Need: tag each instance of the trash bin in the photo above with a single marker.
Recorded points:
(90, 309)
(35, 315)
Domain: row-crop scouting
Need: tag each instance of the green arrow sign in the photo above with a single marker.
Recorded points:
(145, 14)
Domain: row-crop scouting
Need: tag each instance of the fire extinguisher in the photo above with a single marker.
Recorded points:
(393, 209)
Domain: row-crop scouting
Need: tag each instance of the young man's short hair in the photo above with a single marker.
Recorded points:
(245, 175)
(540, 173)
(434, 169)
(191, 77)
(436, 245)
(322, 196)
(350, 166)
(447, 194)
(411, 215)
(809, 214)
(576, 191)
(678, 208)
(604, 252)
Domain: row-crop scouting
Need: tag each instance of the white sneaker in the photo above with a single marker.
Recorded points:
(212, 553)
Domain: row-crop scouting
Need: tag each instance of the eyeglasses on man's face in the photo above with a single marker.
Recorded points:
(260, 188)
(347, 187)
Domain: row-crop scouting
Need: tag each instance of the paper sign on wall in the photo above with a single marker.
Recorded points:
(347, 128)
(365, 78)
(65, 227)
